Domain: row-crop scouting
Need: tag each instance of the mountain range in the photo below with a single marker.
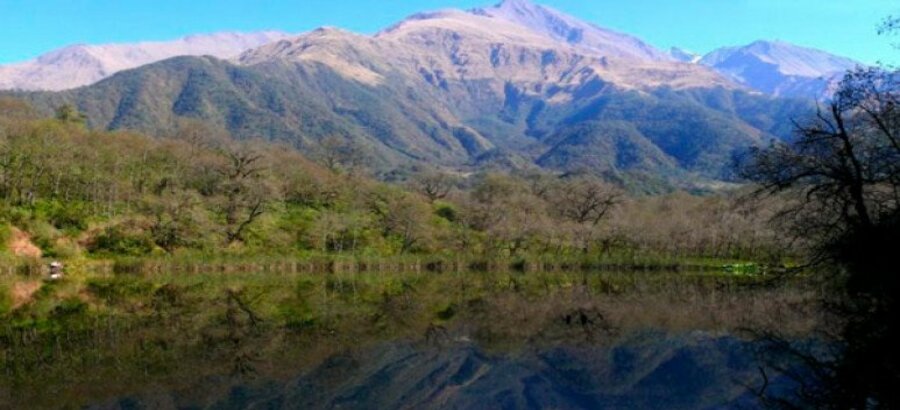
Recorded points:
(513, 85)
(82, 64)
(779, 68)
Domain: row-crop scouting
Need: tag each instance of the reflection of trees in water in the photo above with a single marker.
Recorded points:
(844, 170)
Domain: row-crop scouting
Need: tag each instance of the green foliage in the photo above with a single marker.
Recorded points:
(5, 234)
(68, 113)
(70, 215)
(742, 268)
(5, 300)
(446, 211)
(125, 239)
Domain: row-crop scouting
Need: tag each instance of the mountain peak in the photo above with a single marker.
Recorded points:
(786, 58)
(563, 27)
(516, 5)
(75, 51)
(780, 68)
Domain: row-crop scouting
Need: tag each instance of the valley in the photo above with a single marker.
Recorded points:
(496, 206)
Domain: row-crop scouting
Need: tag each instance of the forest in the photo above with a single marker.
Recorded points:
(81, 193)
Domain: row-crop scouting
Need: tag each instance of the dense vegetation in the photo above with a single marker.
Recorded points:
(76, 191)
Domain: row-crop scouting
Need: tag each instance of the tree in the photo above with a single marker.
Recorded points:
(176, 220)
(341, 155)
(844, 171)
(434, 185)
(403, 217)
(68, 113)
(244, 188)
(585, 200)
(505, 209)
(845, 165)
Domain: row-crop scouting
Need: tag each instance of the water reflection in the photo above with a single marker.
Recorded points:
(648, 370)
(419, 340)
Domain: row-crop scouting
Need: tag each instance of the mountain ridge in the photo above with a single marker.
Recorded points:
(572, 30)
(780, 68)
(773, 67)
(453, 88)
(84, 64)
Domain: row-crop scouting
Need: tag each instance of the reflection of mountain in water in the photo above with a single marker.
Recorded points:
(652, 370)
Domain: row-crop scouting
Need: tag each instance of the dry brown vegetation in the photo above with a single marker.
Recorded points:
(196, 191)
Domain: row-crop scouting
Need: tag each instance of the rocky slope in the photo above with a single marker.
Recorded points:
(80, 65)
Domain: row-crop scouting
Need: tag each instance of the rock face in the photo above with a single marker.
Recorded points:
(80, 65)
(779, 68)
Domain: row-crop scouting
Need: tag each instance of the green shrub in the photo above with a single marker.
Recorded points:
(65, 216)
(123, 239)
(44, 235)
(446, 211)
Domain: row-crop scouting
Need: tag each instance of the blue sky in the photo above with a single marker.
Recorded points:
(846, 27)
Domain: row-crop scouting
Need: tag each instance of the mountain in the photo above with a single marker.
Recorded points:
(570, 30)
(80, 65)
(779, 68)
(501, 86)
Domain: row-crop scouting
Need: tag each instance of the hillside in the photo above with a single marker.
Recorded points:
(451, 86)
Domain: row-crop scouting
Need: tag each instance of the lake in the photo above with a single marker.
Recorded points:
(407, 340)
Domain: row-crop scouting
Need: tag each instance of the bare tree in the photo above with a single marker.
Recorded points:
(244, 189)
(176, 219)
(401, 217)
(434, 185)
(341, 155)
(585, 200)
(845, 165)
